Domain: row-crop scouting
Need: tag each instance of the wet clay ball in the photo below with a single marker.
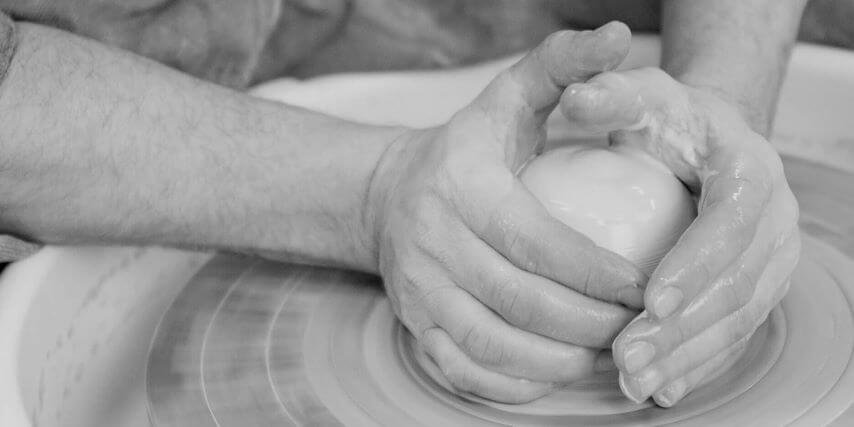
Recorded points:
(622, 198)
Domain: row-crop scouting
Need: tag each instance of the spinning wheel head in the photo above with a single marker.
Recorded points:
(254, 342)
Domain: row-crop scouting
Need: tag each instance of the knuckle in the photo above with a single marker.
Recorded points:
(415, 219)
(525, 255)
(424, 236)
(469, 338)
(704, 274)
(460, 375)
(413, 282)
(742, 288)
(729, 296)
(608, 79)
(739, 295)
(494, 353)
(423, 211)
(412, 315)
(398, 299)
(554, 37)
(483, 346)
(434, 244)
(752, 174)
(513, 239)
(679, 331)
(552, 56)
(513, 302)
(474, 341)
(592, 277)
(420, 293)
(450, 170)
(547, 46)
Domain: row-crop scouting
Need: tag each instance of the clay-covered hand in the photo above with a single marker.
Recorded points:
(507, 300)
(732, 266)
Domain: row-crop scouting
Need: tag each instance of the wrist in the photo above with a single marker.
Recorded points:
(334, 222)
(756, 113)
(293, 188)
(396, 159)
(737, 49)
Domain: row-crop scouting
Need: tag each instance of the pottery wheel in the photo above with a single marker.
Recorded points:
(252, 342)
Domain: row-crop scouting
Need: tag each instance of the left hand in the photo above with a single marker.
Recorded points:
(732, 266)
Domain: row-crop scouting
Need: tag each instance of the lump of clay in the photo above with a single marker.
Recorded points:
(622, 198)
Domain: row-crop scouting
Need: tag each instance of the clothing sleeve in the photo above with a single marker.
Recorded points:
(11, 248)
(225, 42)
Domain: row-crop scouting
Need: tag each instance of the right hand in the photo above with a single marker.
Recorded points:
(509, 302)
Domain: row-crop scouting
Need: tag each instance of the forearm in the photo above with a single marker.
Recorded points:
(737, 48)
(102, 146)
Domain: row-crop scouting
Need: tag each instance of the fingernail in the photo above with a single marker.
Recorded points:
(610, 26)
(671, 394)
(578, 92)
(639, 388)
(631, 296)
(637, 355)
(648, 382)
(628, 389)
(667, 302)
(580, 98)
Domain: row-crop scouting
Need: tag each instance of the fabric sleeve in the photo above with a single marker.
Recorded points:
(11, 248)
(215, 40)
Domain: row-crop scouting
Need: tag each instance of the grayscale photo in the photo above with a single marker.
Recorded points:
(434, 213)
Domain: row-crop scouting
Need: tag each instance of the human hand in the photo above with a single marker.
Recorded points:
(508, 301)
(731, 267)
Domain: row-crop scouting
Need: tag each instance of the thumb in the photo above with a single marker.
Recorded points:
(624, 100)
(535, 83)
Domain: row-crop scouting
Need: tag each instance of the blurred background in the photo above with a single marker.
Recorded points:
(238, 43)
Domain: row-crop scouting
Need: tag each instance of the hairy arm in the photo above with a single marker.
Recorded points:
(99, 145)
(735, 48)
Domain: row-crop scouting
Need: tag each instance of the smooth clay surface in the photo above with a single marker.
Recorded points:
(622, 198)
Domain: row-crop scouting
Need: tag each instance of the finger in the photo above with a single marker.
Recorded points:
(696, 351)
(528, 301)
(676, 390)
(537, 80)
(730, 209)
(605, 103)
(624, 100)
(537, 304)
(519, 228)
(496, 346)
(648, 339)
(644, 107)
(466, 376)
(669, 391)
